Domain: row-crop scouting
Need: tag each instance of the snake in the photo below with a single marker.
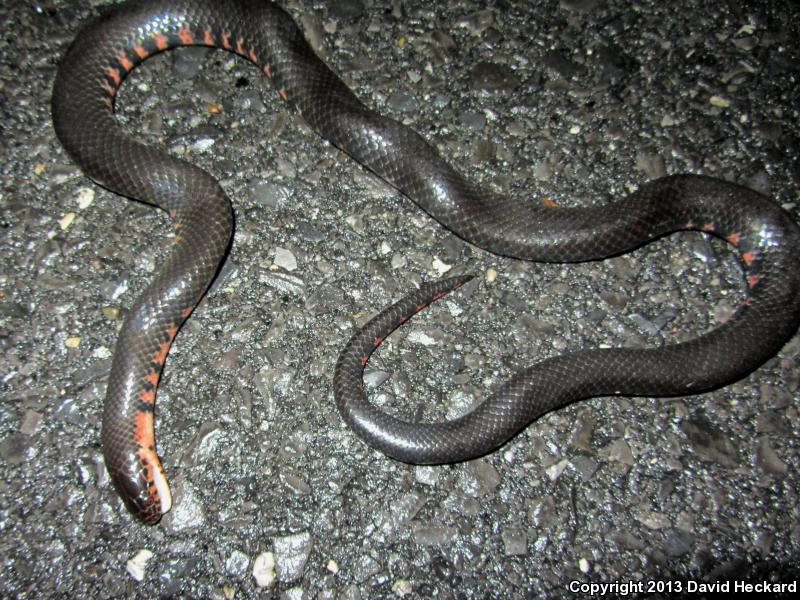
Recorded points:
(764, 236)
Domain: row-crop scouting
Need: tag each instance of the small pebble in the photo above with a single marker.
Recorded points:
(137, 564)
(285, 259)
(264, 569)
(719, 101)
(85, 197)
(67, 220)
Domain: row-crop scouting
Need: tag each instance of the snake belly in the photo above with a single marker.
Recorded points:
(766, 238)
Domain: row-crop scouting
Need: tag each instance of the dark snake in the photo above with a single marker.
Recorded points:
(766, 238)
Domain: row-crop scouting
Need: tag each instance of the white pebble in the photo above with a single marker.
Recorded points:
(101, 352)
(137, 564)
(402, 587)
(85, 197)
(719, 101)
(584, 565)
(422, 338)
(441, 267)
(264, 569)
(285, 259)
(66, 221)
(554, 471)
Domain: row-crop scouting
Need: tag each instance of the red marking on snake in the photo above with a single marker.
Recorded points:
(402, 320)
(226, 41)
(126, 62)
(208, 37)
(252, 54)
(748, 257)
(186, 36)
(438, 296)
(172, 331)
(363, 360)
(162, 43)
(114, 75)
(752, 280)
(420, 307)
(733, 238)
(140, 51)
(143, 430)
(267, 71)
(152, 378)
(187, 311)
(148, 396)
(160, 357)
(377, 341)
(110, 89)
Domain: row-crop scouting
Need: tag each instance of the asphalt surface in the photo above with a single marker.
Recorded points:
(576, 102)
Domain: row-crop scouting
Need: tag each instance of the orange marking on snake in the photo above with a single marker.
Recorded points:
(148, 396)
(282, 93)
(239, 47)
(708, 227)
(110, 89)
(377, 341)
(143, 430)
(160, 357)
(252, 54)
(748, 257)
(162, 43)
(152, 378)
(226, 42)
(114, 75)
(140, 51)
(208, 37)
(549, 203)
(186, 36)
(267, 71)
(172, 331)
(176, 240)
(126, 62)
(733, 238)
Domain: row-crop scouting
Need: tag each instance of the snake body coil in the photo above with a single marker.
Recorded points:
(766, 238)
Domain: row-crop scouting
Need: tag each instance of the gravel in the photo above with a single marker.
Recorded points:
(574, 102)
